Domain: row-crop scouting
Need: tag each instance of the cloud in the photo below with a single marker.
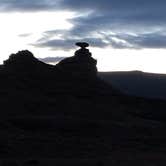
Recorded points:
(56, 44)
(113, 10)
(134, 11)
(28, 5)
(51, 59)
(102, 23)
(68, 43)
(151, 40)
(104, 39)
(109, 23)
(25, 35)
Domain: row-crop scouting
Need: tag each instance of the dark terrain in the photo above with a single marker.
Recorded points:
(67, 115)
(137, 83)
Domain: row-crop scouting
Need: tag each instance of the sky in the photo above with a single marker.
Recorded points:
(123, 35)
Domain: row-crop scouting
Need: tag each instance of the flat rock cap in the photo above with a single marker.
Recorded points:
(82, 44)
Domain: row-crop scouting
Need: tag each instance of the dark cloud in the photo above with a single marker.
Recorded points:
(68, 43)
(103, 23)
(113, 10)
(28, 5)
(56, 44)
(77, 5)
(119, 41)
(111, 23)
(140, 11)
(134, 7)
(151, 40)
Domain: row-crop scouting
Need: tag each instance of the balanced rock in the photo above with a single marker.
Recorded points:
(82, 44)
(81, 63)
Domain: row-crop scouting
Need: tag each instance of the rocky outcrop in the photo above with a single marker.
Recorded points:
(76, 75)
(81, 63)
(24, 62)
(21, 60)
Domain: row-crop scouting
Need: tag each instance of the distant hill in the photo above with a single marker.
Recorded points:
(138, 83)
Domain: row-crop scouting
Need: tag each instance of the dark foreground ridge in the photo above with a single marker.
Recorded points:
(66, 115)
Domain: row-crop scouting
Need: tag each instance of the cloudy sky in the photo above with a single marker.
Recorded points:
(124, 35)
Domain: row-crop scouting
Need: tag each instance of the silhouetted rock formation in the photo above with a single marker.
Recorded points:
(66, 112)
(23, 62)
(75, 75)
(81, 63)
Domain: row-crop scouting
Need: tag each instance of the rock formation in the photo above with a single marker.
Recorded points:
(76, 75)
(81, 63)
(25, 62)
(66, 115)
(22, 59)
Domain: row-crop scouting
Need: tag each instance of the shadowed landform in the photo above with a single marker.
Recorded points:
(69, 114)
(137, 83)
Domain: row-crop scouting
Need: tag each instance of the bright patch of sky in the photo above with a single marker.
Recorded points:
(18, 31)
